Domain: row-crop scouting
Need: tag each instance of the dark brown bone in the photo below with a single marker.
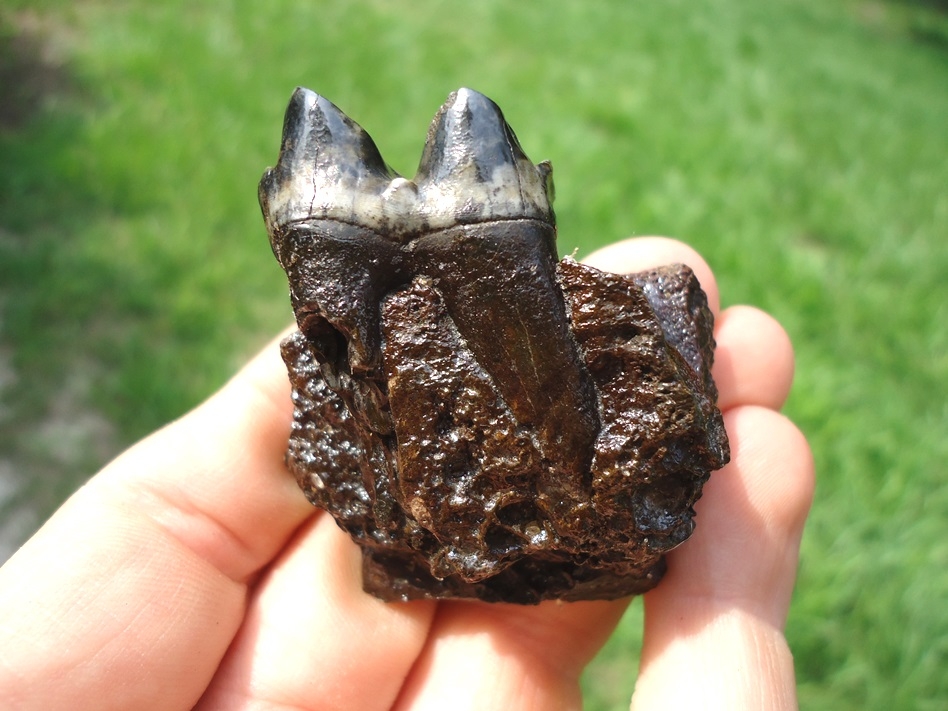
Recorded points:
(485, 422)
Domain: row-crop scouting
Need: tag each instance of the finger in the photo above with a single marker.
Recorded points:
(713, 627)
(753, 362)
(520, 658)
(639, 253)
(312, 639)
(132, 592)
(216, 479)
(496, 656)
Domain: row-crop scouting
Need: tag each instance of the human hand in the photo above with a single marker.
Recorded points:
(192, 572)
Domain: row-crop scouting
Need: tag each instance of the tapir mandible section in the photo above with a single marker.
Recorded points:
(485, 421)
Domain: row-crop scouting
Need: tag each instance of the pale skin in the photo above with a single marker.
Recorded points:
(192, 573)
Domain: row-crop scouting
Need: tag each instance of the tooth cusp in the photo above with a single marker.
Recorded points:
(471, 151)
(472, 170)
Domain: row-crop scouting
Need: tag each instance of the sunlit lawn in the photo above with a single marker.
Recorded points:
(800, 145)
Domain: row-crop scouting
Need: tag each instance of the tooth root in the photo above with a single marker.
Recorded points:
(329, 167)
(474, 168)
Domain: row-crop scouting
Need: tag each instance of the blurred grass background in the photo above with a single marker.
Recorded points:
(800, 145)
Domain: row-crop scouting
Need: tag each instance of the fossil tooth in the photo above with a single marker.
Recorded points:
(322, 206)
(474, 169)
(496, 269)
(329, 168)
(477, 218)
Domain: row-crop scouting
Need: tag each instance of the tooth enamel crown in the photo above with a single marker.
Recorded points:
(472, 170)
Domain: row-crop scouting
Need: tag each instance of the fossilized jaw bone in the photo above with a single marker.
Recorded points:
(472, 170)
(484, 421)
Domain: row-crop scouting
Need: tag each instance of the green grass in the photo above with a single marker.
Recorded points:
(800, 145)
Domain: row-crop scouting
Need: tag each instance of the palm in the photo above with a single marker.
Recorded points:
(191, 570)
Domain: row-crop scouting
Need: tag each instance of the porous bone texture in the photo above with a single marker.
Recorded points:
(459, 500)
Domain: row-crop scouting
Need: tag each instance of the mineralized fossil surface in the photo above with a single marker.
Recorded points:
(484, 420)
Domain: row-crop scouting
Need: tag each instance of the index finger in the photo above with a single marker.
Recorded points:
(640, 253)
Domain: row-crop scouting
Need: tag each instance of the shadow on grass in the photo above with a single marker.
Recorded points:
(939, 5)
(27, 77)
(50, 437)
(926, 21)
